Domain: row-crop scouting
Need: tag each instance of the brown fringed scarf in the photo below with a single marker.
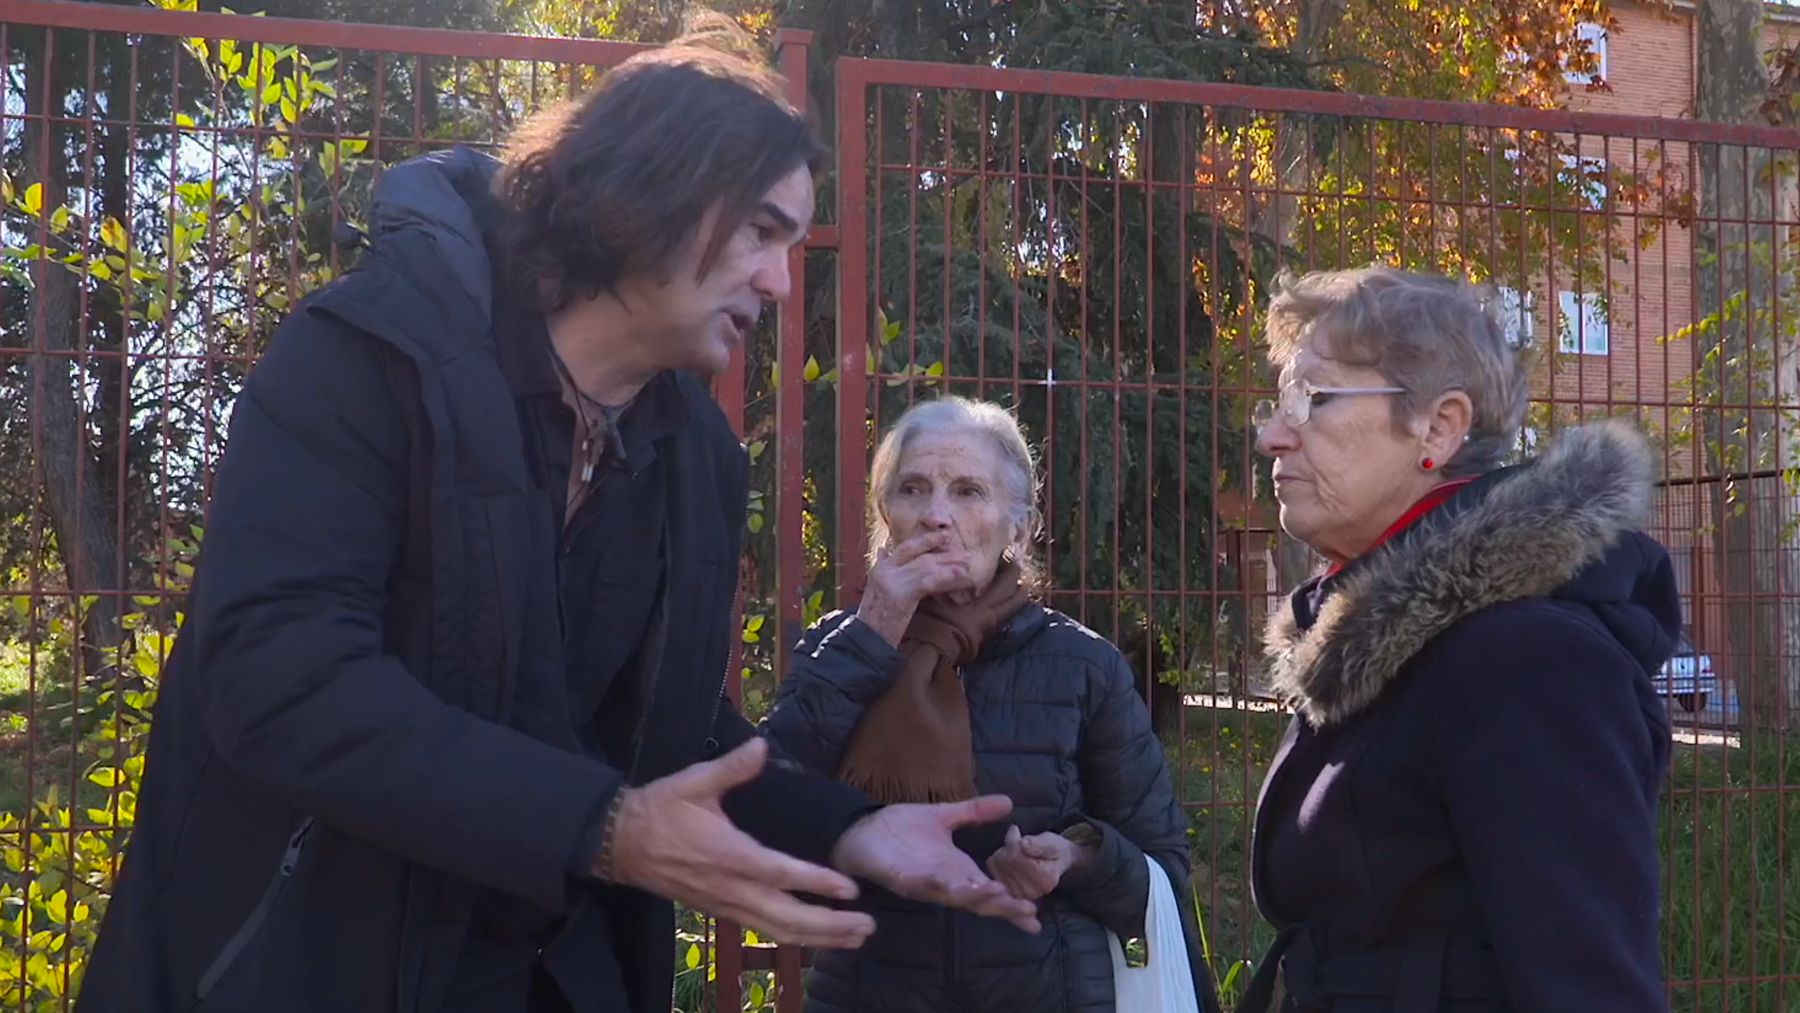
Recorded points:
(913, 743)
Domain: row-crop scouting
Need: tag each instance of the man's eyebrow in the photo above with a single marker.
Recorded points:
(783, 220)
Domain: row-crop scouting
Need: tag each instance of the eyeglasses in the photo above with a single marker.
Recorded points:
(1296, 401)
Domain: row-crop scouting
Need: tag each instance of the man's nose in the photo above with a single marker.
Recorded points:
(772, 280)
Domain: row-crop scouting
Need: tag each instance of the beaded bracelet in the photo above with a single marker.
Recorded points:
(603, 862)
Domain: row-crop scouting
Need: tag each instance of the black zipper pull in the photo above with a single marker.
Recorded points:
(228, 954)
(291, 858)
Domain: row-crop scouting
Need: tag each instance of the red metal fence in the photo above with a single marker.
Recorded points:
(1093, 251)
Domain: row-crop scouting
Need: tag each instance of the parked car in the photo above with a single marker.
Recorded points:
(1688, 676)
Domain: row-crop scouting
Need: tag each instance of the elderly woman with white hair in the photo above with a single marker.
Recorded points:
(949, 680)
(1462, 815)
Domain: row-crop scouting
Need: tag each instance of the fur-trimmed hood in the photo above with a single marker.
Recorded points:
(1565, 526)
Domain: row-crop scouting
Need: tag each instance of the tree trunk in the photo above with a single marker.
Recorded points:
(1274, 219)
(1756, 560)
(73, 492)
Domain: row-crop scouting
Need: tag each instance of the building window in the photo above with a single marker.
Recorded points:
(1584, 176)
(1582, 326)
(1595, 37)
(1516, 316)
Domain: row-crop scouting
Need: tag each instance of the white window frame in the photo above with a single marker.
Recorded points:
(1525, 444)
(1576, 173)
(1582, 324)
(1518, 317)
(1579, 172)
(1595, 36)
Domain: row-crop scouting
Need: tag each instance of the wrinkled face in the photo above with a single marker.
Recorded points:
(694, 321)
(1346, 474)
(955, 482)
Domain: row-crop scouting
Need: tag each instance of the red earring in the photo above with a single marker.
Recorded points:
(1428, 464)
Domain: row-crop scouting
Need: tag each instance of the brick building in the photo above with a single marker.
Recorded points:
(1622, 354)
(1610, 348)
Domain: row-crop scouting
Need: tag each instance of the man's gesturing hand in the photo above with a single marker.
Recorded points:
(907, 849)
(673, 839)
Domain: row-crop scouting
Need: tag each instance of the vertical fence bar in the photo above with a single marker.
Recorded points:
(793, 49)
(853, 322)
(1723, 941)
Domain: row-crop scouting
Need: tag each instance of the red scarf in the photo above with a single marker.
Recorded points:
(1426, 504)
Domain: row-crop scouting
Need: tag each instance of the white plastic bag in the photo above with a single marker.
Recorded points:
(1165, 984)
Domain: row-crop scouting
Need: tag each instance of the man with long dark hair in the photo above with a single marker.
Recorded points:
(445, 729)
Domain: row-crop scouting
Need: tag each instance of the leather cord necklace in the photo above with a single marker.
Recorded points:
(594, 432)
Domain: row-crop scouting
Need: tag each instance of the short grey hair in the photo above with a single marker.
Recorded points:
(952, 414)
(1428, 333)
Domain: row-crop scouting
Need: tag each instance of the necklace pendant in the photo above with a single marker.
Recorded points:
(587, 459)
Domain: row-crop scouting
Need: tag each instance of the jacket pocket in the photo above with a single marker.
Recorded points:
(246, 932)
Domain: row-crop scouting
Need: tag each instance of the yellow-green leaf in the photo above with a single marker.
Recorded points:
(288, 111)
(98, 269)
(812, 369)
(935, 369)
(184, 120)
(59, 219)
(693, 956)
(113, 234)
(58, 907)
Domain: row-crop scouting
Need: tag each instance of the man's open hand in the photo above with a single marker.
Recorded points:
(673, 839)
(907, 849)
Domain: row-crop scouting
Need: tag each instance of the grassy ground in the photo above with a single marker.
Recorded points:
(1218, 764)
(1730, 839)
(52, 760)
(1730, 843)
(1731, 860)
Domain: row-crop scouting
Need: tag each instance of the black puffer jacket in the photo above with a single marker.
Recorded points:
(1057, 726)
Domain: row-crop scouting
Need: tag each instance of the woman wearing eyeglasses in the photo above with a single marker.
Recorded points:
(1462, 814)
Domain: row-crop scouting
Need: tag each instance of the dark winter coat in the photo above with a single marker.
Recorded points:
(1462, 816)
(347, 748)
(1059, 727)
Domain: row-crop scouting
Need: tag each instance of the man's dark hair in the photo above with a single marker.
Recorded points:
(618, 179)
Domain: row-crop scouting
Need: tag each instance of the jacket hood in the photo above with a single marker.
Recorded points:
(1563, 527)
(447, 196)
